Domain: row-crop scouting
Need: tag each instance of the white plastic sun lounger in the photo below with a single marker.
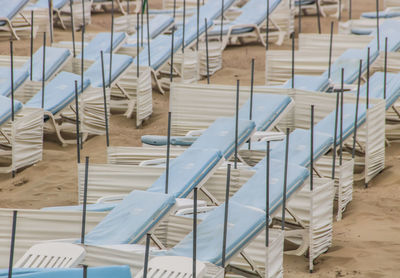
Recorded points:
(21, 140)
(128, 23)
(248, 23)
(57, 7)
(98, 5)
(59, 114)
(8, 11)
(92, 272)
(129, 93)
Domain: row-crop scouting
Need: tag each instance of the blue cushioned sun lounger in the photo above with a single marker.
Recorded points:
(20, 75)
(57, 4)
(157, 25)
(253, 12)
(55, 57)
(58, 92)
(102, 43)
(9, 9)
(93, 272)
(220, 135)
(5, 108)
(381, 14)
(119, 64)
(131, 218)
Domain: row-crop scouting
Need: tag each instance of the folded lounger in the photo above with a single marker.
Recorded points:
(8, 11)
(350, 61)
(59, 107)
(129, 93)
(267, 110)
(57, 6)
(21, 140)
(98, 5)
(251, 19)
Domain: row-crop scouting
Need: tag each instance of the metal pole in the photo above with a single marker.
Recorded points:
(251, 95)
(385, 70)
(12, 79)
(330, 51)
(105, 99)
(335, 136)
(237, 123)
(226, 215)
(341, 119)
(43, 67)
(312, 149)
(73, 28)
(78, 148)
(198, 25)
(51, 19)
(11, 261)
(267, 195)
(222, 21)
(83, 13)
(137, 46)
(31, 66)
(148, 33)
(82, 53)
(141, 22)
(85, 267)
(340, 10)
(183, 26)
(350, 8)
(85, 200)
(300, 16)
(174, 12)
(146, 256)
(168, 153)
(293, 60)
(111, 42)
(353, 154)
(368, 63)
(207, 64)
(318, 16)
(194, 232)
(171, 74)
(285, 180)
(267, 30)
(377, 24)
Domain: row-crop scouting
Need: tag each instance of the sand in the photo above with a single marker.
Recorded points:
(366, 243)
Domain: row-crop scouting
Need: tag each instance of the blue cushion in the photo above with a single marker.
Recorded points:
(308, 83)
(58, 92)
(102, 43)
(157, 140)
(131, 218)
(157, 25)
(243, 224)
(93, 272)
(20, 75)
(10, 8)
(220, 135)
(55, 57)
(361, 31)
(101, 207)
(187, 171)
(381, 14)
(119, 64)
(390, 29)
(5, 108)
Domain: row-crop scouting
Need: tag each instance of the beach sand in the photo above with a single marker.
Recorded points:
(366, 243)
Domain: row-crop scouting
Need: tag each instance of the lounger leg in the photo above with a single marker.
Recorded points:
(157, 82)
(58, 13)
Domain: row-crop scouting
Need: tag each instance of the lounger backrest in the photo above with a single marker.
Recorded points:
(119, 64)
(266, 109)
(187, 171)
(20, 75)
(254, 11)
(102, 43)
(389, 29)
(55, 57)
(5, 108)
(131, 218)
(244, 223)
(10, 8)
(57, 4)
(220, 135)
(157, 26)
(58, 93)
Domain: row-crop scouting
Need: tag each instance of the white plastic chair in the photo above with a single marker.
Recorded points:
(52, 255)
(173, 267)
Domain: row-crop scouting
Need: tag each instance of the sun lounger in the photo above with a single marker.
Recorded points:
(20, 75)
(158, 24)
(98, 5)
(248, 23)
(57, 7)
(8, 12)
(92, 272)
(129, 93)
(59, 115)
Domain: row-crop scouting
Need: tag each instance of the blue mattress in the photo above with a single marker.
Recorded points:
(157, 140)
(299, 147)
(101, 207)
(308, 83)
(304, 2)
(362, 31)
(253, 12)
(58, 92)
(244, 223)
(252, 193)
(131, 218)
(220, 135)
(187, 171)
(327, 124)
(93, 272)
(119, 64)
(57, 4)
(381, 14)
(390, 29)
(157, 25)
(5, 108)
(20, 75)
(55, 57)
(10, 8)
(102, 43)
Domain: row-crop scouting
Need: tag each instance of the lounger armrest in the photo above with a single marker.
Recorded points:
(195, 132)
(189, 211)
(110, 199)
(182, 203)
(157, 162)
(262, 136)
